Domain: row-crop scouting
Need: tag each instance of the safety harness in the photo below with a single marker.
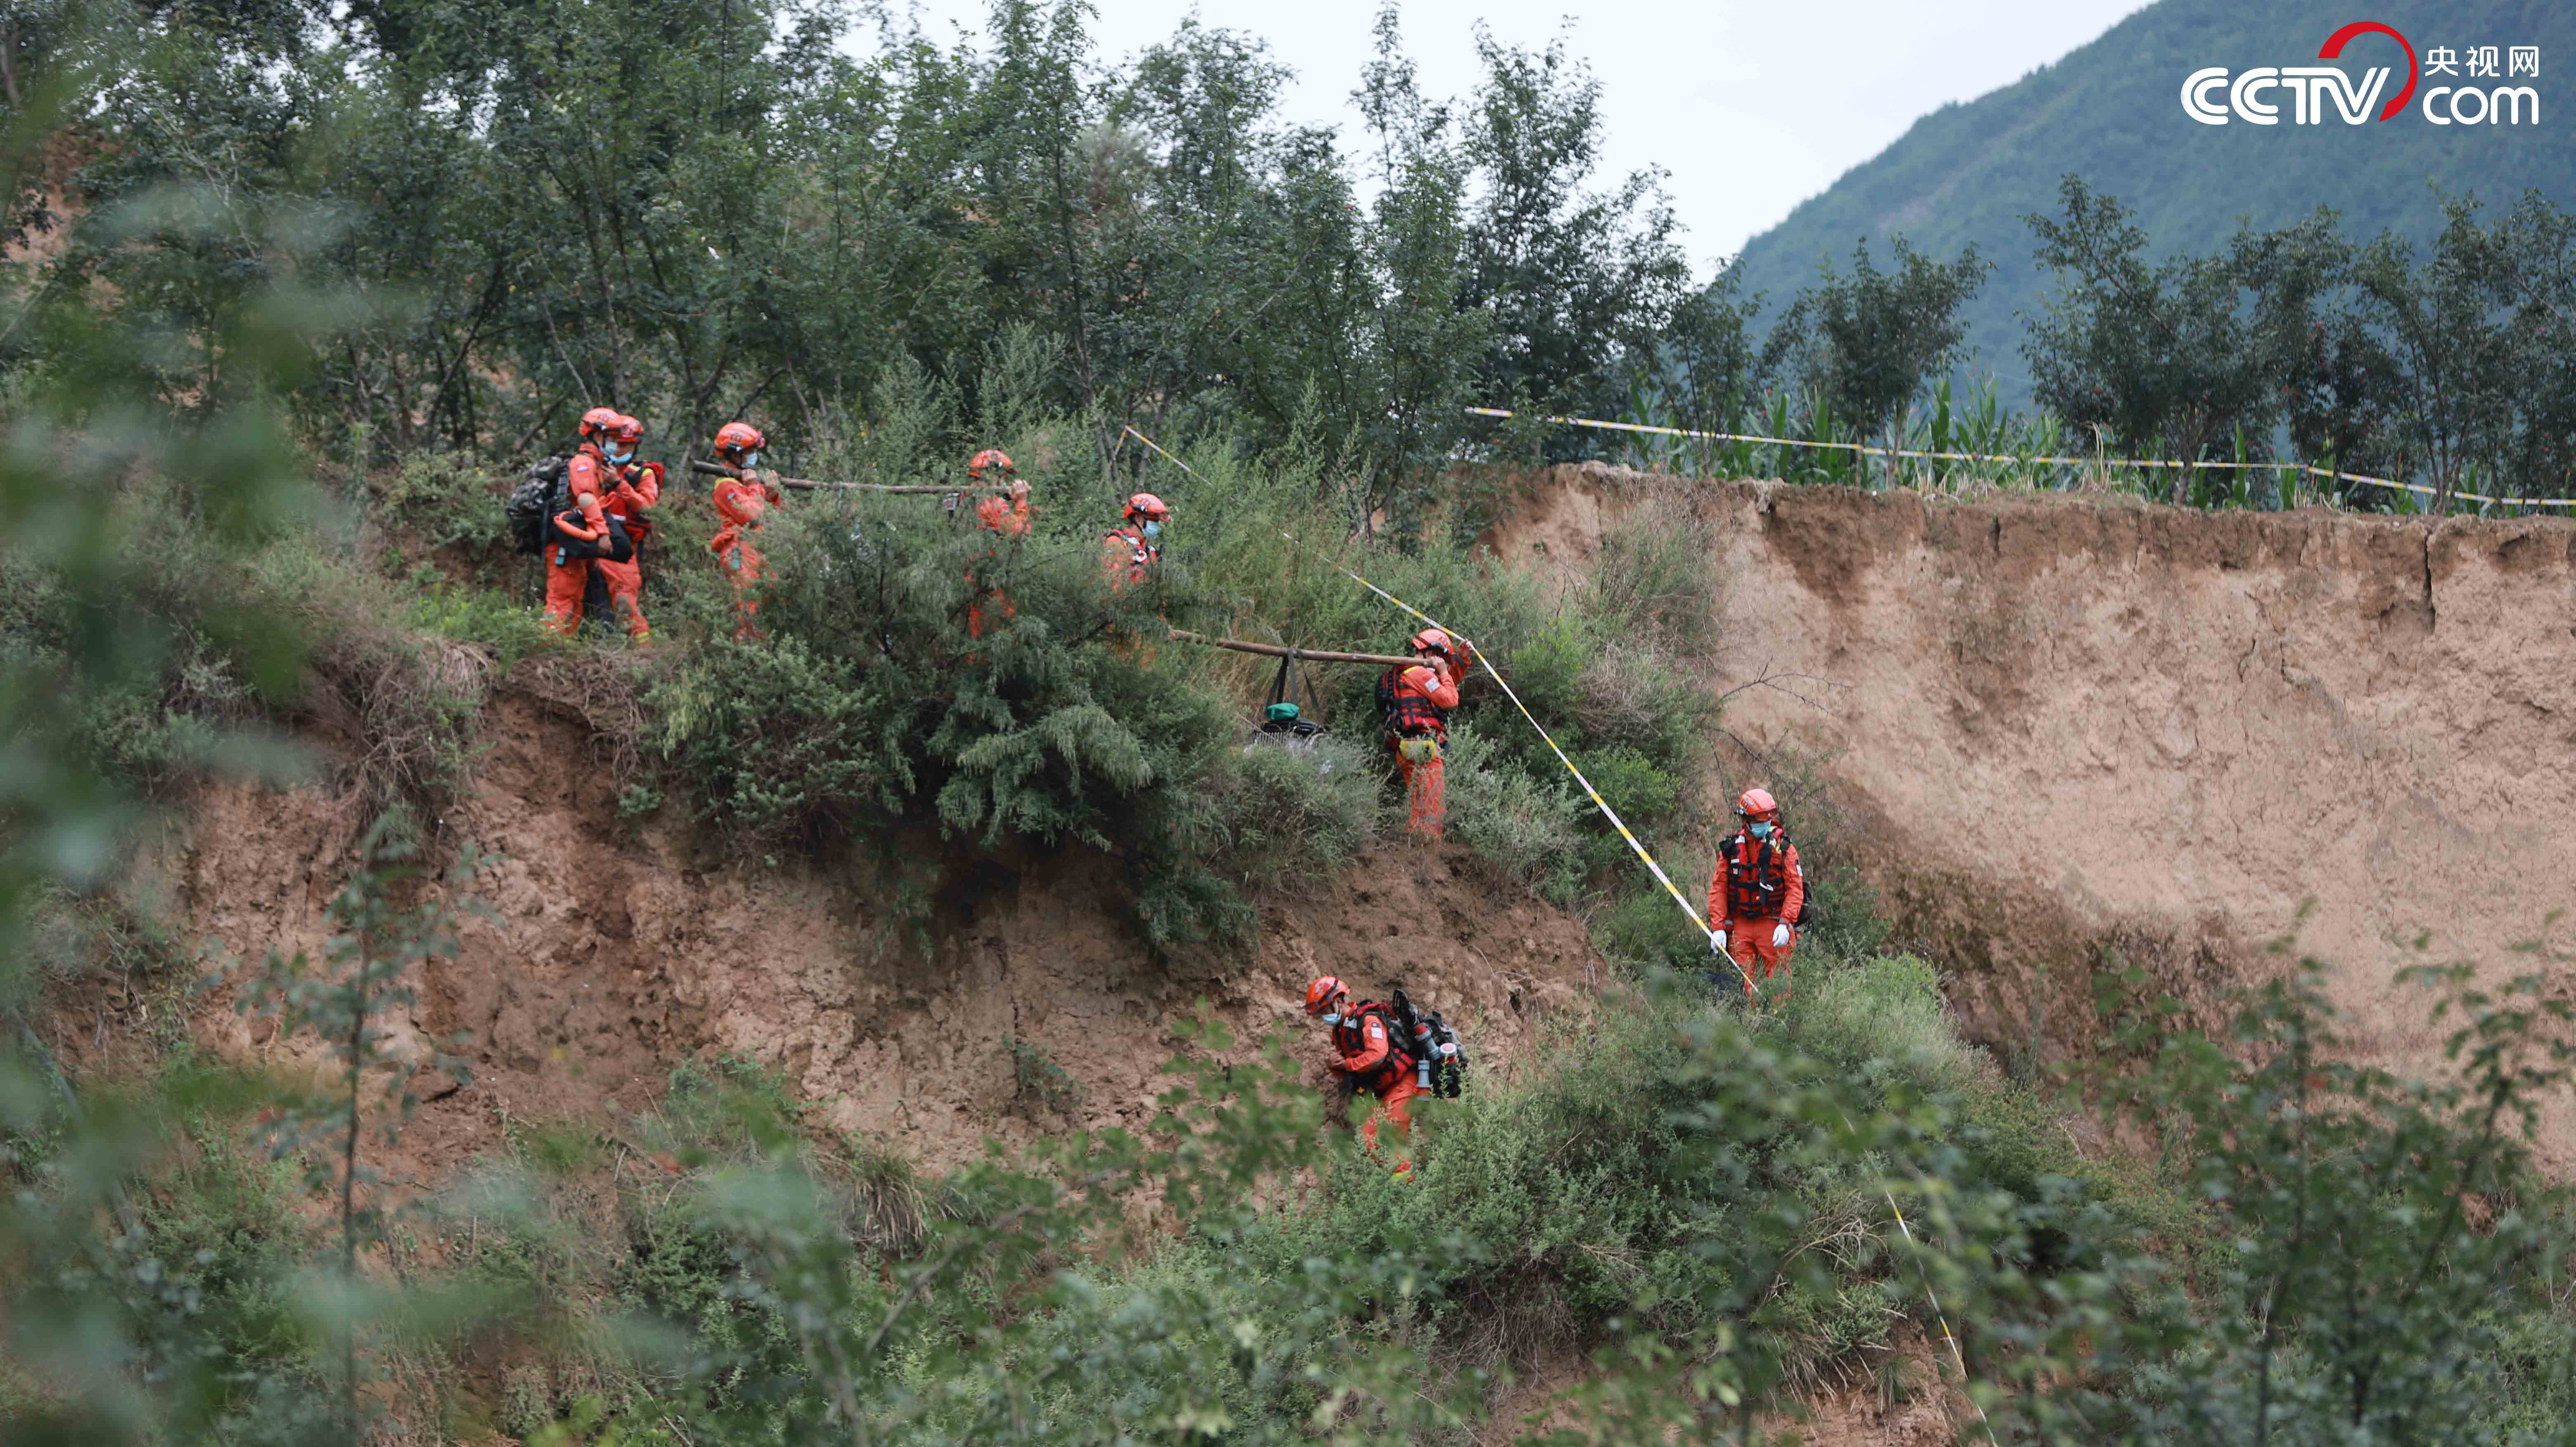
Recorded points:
(1756, 886)
(1350, 1037)
(1141, 554)
(1408, 714)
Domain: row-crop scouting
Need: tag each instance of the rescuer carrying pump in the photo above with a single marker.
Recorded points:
(577, 527)
(1390, 1051)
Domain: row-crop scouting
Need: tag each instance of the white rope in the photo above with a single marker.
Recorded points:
(2148, 462)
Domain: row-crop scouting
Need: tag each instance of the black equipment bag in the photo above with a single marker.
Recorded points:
(531, 503)
(1432, 1044)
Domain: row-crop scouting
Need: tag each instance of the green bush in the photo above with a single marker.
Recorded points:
(481, 616)
(1641, 928)
(869, 707)
(1878, 1015)
(1525, 826)
(1295, 817)
(444, 503)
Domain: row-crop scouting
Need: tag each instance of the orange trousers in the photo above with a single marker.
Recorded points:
(1749, 940)
(744, 567)
(568, 579)
(1395, 1107)
(1426, 795)
(626, 593)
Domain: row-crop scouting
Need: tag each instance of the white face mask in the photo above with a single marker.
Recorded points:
(619, 454)
(1153, 529)
(1332, 1017)
(751, 459)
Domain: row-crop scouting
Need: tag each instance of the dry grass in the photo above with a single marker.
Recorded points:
(404, 706)
(603, 691)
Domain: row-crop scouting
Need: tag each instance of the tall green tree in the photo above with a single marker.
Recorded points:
(2163, 356)
(1578, 280)
(2457, 352)
(1869, 342)
(2341, 388)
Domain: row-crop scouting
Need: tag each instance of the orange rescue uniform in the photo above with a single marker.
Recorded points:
(1424, 694)
(1367, 1052)
(739, 504)
(1009, 517)
(1757, 885)
(639, 487)
(567, 577)
(1128, 556)
(1003, 514)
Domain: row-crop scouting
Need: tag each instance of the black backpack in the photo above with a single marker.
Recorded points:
(1427, 1037)
(544, 491)
(538, 496)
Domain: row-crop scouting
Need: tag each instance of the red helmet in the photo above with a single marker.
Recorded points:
(991, 457)
(1146, 505)
(627, 430)
(600, 421)
(735, 438)
(1323, 992)
(1757, 804)
(1432, 640)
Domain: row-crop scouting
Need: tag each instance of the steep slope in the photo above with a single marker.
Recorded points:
(2071, 732)
(614, 953)
(2110, 111)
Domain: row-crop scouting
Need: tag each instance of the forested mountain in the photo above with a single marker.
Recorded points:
(2111, 112)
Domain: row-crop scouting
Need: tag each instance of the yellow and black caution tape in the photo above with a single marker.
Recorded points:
(1956, 1356)
(2309, 469)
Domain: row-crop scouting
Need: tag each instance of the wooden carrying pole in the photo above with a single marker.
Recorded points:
(1306, 655)
(718, 469)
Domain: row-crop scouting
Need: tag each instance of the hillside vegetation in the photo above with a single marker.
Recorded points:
(323, 276)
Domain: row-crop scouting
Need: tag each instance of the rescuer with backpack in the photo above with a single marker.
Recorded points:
(1132, 550)
(1415, 702)
(1388, 1050)
(634, 488)
(739, 503)
(1757, 896)
(580, 530)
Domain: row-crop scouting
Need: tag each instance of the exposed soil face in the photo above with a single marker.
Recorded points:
(615, 952)
(2071, 730)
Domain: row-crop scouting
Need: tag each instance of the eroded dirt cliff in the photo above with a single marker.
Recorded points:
(2071, 730)
(614, 952)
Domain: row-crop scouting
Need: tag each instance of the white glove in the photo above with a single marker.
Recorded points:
(1780, 935)
(1717, 942)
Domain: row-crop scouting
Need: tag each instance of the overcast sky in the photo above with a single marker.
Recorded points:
(1751, 105)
